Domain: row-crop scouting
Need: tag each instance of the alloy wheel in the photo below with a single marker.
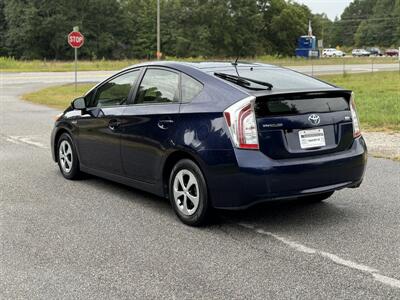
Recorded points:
(65, 156)
(186, 192)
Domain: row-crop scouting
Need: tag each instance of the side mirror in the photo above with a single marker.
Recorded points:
(79, 103)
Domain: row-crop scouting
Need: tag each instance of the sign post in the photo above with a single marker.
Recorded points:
(76, 40)
(76, 68)
(158, 31)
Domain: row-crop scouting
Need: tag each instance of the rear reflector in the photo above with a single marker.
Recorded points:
(227, 118)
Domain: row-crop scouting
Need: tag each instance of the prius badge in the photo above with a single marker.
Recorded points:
(314, 119)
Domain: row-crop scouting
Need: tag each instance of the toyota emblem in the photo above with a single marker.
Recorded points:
(314, 119)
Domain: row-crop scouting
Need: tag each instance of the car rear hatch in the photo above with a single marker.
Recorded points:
(302, 124)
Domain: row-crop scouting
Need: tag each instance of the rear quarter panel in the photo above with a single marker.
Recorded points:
(203, 133)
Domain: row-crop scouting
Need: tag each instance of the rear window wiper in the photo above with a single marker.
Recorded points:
(245, 82)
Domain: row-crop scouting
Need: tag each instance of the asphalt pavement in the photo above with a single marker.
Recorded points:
(95, 239)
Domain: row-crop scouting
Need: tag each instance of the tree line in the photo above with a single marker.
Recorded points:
(115, 29)
(367, 23)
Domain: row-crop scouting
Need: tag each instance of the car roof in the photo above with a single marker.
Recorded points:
(220, 93)
(204, 66)
(203, 71)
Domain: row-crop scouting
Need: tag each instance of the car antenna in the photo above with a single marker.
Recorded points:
(235, 64)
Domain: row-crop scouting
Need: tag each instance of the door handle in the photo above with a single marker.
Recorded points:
(114, 124)
(163, 124)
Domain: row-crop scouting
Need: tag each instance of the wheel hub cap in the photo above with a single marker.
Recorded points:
(65, 156)
(186, 192)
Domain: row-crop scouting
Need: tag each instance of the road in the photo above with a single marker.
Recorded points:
(94, 239)
(339, 69)
(90, 76)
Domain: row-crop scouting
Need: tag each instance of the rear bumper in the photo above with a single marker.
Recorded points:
(257, 178)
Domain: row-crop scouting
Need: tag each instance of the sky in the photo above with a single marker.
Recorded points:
(332, 8)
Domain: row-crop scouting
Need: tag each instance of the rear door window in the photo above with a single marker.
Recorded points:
(158, 86)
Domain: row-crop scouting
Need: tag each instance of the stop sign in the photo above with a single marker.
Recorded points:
(76, 39)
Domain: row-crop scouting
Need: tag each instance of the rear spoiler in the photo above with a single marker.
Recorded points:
(300, 92)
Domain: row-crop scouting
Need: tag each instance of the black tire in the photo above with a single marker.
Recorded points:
(317, 197)
(199, 215)
(72, 172)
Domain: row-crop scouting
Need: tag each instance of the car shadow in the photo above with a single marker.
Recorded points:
(292, 214)
(122, 190)
(277, 213)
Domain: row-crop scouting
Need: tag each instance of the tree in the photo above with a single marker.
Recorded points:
(105, 25)
(3, 50)
(209, 28)
(323, 28)
(381, 27)
(39, 28)
(347, 26)
(397, 14)
(286, 27)
(368, 23)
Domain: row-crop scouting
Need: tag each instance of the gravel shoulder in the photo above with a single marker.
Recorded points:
(383, 144)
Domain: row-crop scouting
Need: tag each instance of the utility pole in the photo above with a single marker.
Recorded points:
(158, 31)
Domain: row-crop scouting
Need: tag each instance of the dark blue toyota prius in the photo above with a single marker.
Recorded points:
(214, 135)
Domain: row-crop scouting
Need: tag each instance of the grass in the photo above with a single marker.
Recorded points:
(377, 97)
(59, 97)
(13, 65)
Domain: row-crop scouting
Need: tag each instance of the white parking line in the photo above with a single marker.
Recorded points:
(336, 259)
(30, 140)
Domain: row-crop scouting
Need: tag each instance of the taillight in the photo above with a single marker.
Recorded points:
(354, 117)
(241, 121)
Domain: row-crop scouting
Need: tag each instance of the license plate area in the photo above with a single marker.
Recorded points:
(312, 138)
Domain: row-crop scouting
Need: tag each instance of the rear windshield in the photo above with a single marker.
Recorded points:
(281, 79)
(284, 106)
